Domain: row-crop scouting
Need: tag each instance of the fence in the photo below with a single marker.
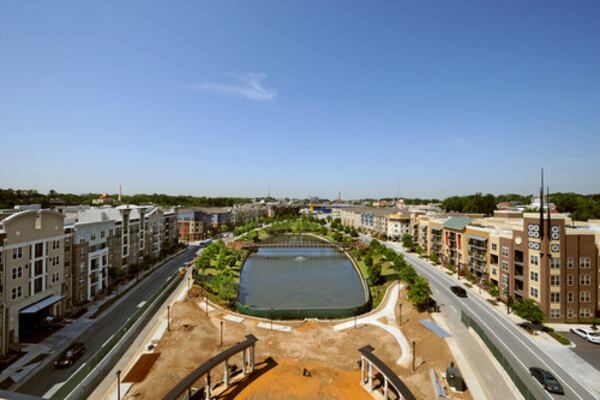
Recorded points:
(469, 322)
(301, 313)
(146, 312)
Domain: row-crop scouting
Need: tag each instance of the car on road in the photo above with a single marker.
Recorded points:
(70, 355)
(459, 291)
(587, 334)
(548, 381)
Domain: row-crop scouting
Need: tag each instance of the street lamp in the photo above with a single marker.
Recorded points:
(169, 318)
(221, 334)
(119, 385)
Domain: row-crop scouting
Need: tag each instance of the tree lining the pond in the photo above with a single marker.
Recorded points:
(381, 266)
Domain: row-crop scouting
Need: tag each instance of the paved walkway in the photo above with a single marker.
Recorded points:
(387, 311)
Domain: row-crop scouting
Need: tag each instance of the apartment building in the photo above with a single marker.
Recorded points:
(197, 223)
(387, 222)
(398, 224)
(32, 273)
(244, 213)
(555, 263)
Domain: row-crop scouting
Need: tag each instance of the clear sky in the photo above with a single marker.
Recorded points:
(304, 98)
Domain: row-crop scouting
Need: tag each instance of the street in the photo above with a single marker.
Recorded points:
(105, 326)
(512, 340)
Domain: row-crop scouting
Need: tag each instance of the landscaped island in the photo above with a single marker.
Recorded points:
(301, 268)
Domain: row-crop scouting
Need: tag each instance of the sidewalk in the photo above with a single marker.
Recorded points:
(40, 354)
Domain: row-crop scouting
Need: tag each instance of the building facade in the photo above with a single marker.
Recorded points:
(32, 254)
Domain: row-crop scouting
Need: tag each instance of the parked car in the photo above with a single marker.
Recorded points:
(459, 291)
(587, 334)
(70, 355)
(548, 381)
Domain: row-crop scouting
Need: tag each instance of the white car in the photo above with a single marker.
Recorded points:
(587, 334)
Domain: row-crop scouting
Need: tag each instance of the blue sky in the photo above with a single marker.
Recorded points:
(304, 98)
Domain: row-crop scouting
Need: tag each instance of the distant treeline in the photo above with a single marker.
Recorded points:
(582, 207)
(10, 198)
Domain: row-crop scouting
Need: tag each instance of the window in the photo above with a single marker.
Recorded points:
(570, 313)
(110, 232)
(533, 291)
(505, 266)
(585, 313)
(92, 236)
(570, 262)
(554, 297)
(555, 263)
(39, 250)
(494, 246)
(17, 253)
(534, 260)
(570, 280)
(101, 234)
(504, 251)
(585, 279)
(16, 292)
(554, 314)
(17, 272)
(534, 276)
(570, 297)
(584, 262)
(554, 280)
(585, 297)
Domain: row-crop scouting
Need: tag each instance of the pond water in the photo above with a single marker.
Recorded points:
(306, 282)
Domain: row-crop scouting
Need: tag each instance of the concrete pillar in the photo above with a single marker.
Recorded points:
(244, 362)
(385, 388)
(362, 370)
(252, 360)
(207, 390)
(370, 377)
(226, 373)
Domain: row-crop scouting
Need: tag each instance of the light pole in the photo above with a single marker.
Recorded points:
(414, 346)
(119, 385)
(169, 318)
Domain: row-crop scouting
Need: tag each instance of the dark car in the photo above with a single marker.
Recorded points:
(70, 355)
(459, 291)
(547, 380)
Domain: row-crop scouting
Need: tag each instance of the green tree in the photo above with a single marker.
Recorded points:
(434, 258)
(419, 293)
(368, 260)
(374, 273)
(407, 242)
(530, 310)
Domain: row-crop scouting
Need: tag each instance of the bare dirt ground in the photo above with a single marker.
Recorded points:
(331, 357)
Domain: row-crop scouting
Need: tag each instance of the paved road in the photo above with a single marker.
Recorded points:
(514, 342)
(590, 352)
(108, 323)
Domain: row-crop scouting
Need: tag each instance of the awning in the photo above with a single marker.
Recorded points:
(40, 305)
(483, 239)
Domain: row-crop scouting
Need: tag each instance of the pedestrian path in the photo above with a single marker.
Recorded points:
(387, 312)
(274, 327)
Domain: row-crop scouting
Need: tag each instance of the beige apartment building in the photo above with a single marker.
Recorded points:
(32, 265)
